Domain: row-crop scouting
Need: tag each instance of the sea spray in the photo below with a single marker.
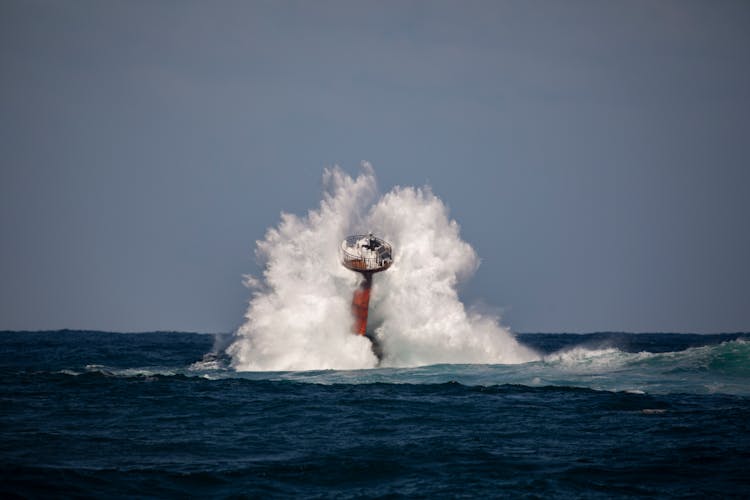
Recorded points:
(299, 316)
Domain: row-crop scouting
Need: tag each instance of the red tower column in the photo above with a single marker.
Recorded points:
(366, 255)
(361, 304)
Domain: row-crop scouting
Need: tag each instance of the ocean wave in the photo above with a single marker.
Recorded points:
(299, 317)
(582, 358)
(729, 357)
(719, 368)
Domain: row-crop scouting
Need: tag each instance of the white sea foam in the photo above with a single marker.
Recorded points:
(581, 358)
(299, 315)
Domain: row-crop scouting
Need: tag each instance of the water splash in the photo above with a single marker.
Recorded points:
(299, 316)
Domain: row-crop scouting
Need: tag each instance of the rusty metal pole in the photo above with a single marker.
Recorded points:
(361, 304)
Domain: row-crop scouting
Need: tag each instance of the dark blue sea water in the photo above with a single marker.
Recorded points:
(601, 416)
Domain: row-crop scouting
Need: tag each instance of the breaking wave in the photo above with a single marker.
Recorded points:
(719, 368)
(299, 315)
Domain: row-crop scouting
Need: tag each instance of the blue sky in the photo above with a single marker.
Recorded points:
(595, 154)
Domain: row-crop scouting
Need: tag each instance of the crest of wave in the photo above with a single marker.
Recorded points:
(299, 316)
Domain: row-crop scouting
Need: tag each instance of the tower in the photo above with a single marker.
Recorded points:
(367, 255)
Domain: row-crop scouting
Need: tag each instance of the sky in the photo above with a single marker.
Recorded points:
(595, 154)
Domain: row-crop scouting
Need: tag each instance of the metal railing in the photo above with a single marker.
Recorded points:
(356, 262)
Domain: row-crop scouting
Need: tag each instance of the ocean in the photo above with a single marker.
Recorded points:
(96, 414)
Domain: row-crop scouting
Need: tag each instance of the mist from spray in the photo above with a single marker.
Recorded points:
(299, 317)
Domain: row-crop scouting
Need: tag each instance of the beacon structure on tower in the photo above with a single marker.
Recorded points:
(367, 255)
